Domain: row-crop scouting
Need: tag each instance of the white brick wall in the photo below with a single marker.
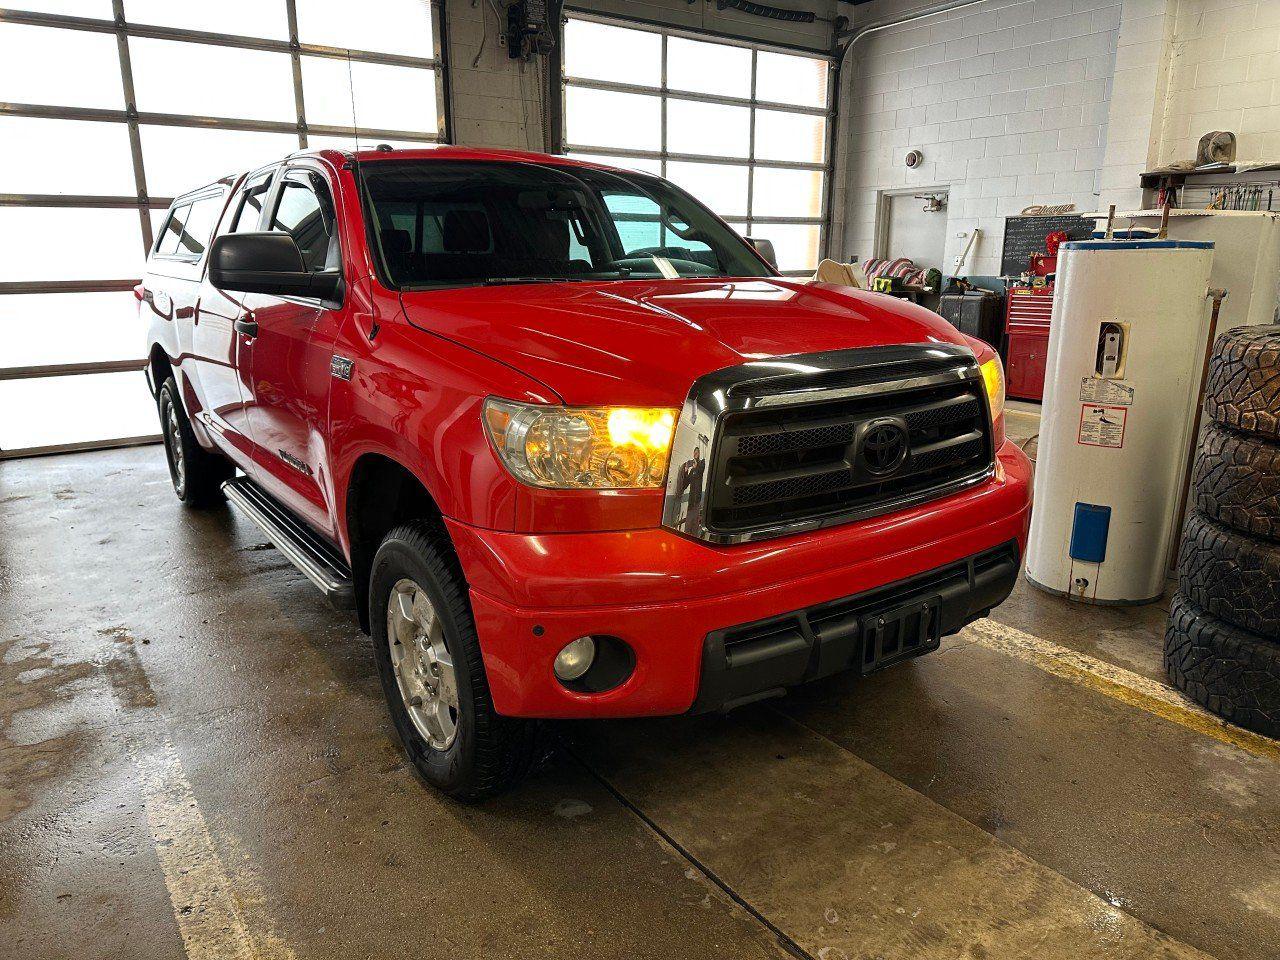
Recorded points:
(497, 102)
(1138, 84)
(1008, 100)
(1224, 74)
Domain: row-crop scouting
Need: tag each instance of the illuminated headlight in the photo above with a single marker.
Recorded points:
(993, 377)
(582, 447)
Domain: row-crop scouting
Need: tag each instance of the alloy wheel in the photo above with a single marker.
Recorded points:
(422, 664)
(177, 461)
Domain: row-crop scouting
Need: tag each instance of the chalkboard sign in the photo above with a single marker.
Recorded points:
(1024, 236)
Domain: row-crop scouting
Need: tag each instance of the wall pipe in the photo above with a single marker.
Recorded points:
(840, 153)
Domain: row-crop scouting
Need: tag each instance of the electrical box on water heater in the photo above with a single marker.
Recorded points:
(1126, 351)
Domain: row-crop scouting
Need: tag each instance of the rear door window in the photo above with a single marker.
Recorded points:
(173, 227)
(187, 231)
(199, 226)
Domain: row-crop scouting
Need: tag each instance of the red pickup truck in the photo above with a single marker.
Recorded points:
(569, 445)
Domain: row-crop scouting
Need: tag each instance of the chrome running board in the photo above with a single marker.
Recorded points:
(318, 560)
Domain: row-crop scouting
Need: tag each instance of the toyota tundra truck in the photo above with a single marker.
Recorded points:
(568, 445)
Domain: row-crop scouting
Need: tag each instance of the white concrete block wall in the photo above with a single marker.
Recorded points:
(1138, 88)
(497, 101)
(1224, 74)
(1008, 101)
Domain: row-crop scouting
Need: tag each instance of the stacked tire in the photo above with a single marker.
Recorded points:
(1222, 646)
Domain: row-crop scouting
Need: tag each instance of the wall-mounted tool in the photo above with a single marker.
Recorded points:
(528, 30)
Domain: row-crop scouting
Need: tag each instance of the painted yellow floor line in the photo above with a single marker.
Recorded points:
(203, 893)
(1116, 683)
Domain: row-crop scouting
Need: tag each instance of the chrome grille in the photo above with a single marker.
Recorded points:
(796, 450)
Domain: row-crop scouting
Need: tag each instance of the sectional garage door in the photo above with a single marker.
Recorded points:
(135, 101)
(744, 128)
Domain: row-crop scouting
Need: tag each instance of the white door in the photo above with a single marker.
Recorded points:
(914, 232)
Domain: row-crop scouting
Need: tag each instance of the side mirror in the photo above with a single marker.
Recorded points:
(765, 249)
(268, 263)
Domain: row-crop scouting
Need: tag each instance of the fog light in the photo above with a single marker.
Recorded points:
(575, 658)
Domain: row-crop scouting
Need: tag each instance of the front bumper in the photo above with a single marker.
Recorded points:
(668, 596)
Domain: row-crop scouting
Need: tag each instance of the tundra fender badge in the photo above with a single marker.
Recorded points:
(299, 465)
(341, 367)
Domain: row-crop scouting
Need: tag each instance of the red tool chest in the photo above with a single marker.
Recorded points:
(1027, 327)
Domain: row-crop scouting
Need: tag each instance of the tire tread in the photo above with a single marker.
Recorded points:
(1232, 575)
(1243, 389)
(1237, 481)
(1230, 672)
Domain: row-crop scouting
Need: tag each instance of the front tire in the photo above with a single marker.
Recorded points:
(197, 474)
(432, 673)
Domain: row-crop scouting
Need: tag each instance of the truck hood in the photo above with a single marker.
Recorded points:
(645, 342)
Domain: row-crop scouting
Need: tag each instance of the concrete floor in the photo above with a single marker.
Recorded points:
(195, 761)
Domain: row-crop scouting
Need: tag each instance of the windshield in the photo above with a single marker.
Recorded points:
(445, 223)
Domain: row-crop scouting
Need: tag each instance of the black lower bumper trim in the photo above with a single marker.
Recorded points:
(867, 631)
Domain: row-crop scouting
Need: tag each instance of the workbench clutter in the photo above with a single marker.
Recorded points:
(843, 274)
(902, 278)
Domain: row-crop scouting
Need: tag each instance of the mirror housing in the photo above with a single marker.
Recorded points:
(268, 263)
(765, 249)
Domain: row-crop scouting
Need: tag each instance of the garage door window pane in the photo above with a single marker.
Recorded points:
(246, 18)
(63, 68)
(99, 9)
(596, 51)
(796, 243)
(90, 327)
(65, 244)
(708, 67)
(194, 78)
(598, 118)
(782, 78)
(712, 129)
(384, 26)
(30, 142)
(787, 193)
(179, 159)
(57, 410)
(721, 187)
(388, 97)
(790, 136)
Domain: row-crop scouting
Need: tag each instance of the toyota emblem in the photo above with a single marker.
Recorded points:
(884, 447)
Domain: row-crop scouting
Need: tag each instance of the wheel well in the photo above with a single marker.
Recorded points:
(161, 369)
(381, 495)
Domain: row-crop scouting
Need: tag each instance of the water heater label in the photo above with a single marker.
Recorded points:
(1098, 390)
(1101, 425)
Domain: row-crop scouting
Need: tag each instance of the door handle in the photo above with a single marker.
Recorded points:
(185, 313)
(247, 325)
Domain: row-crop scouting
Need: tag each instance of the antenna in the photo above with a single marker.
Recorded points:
(351, 86)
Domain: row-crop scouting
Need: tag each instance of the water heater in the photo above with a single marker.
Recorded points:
(1126, 349)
